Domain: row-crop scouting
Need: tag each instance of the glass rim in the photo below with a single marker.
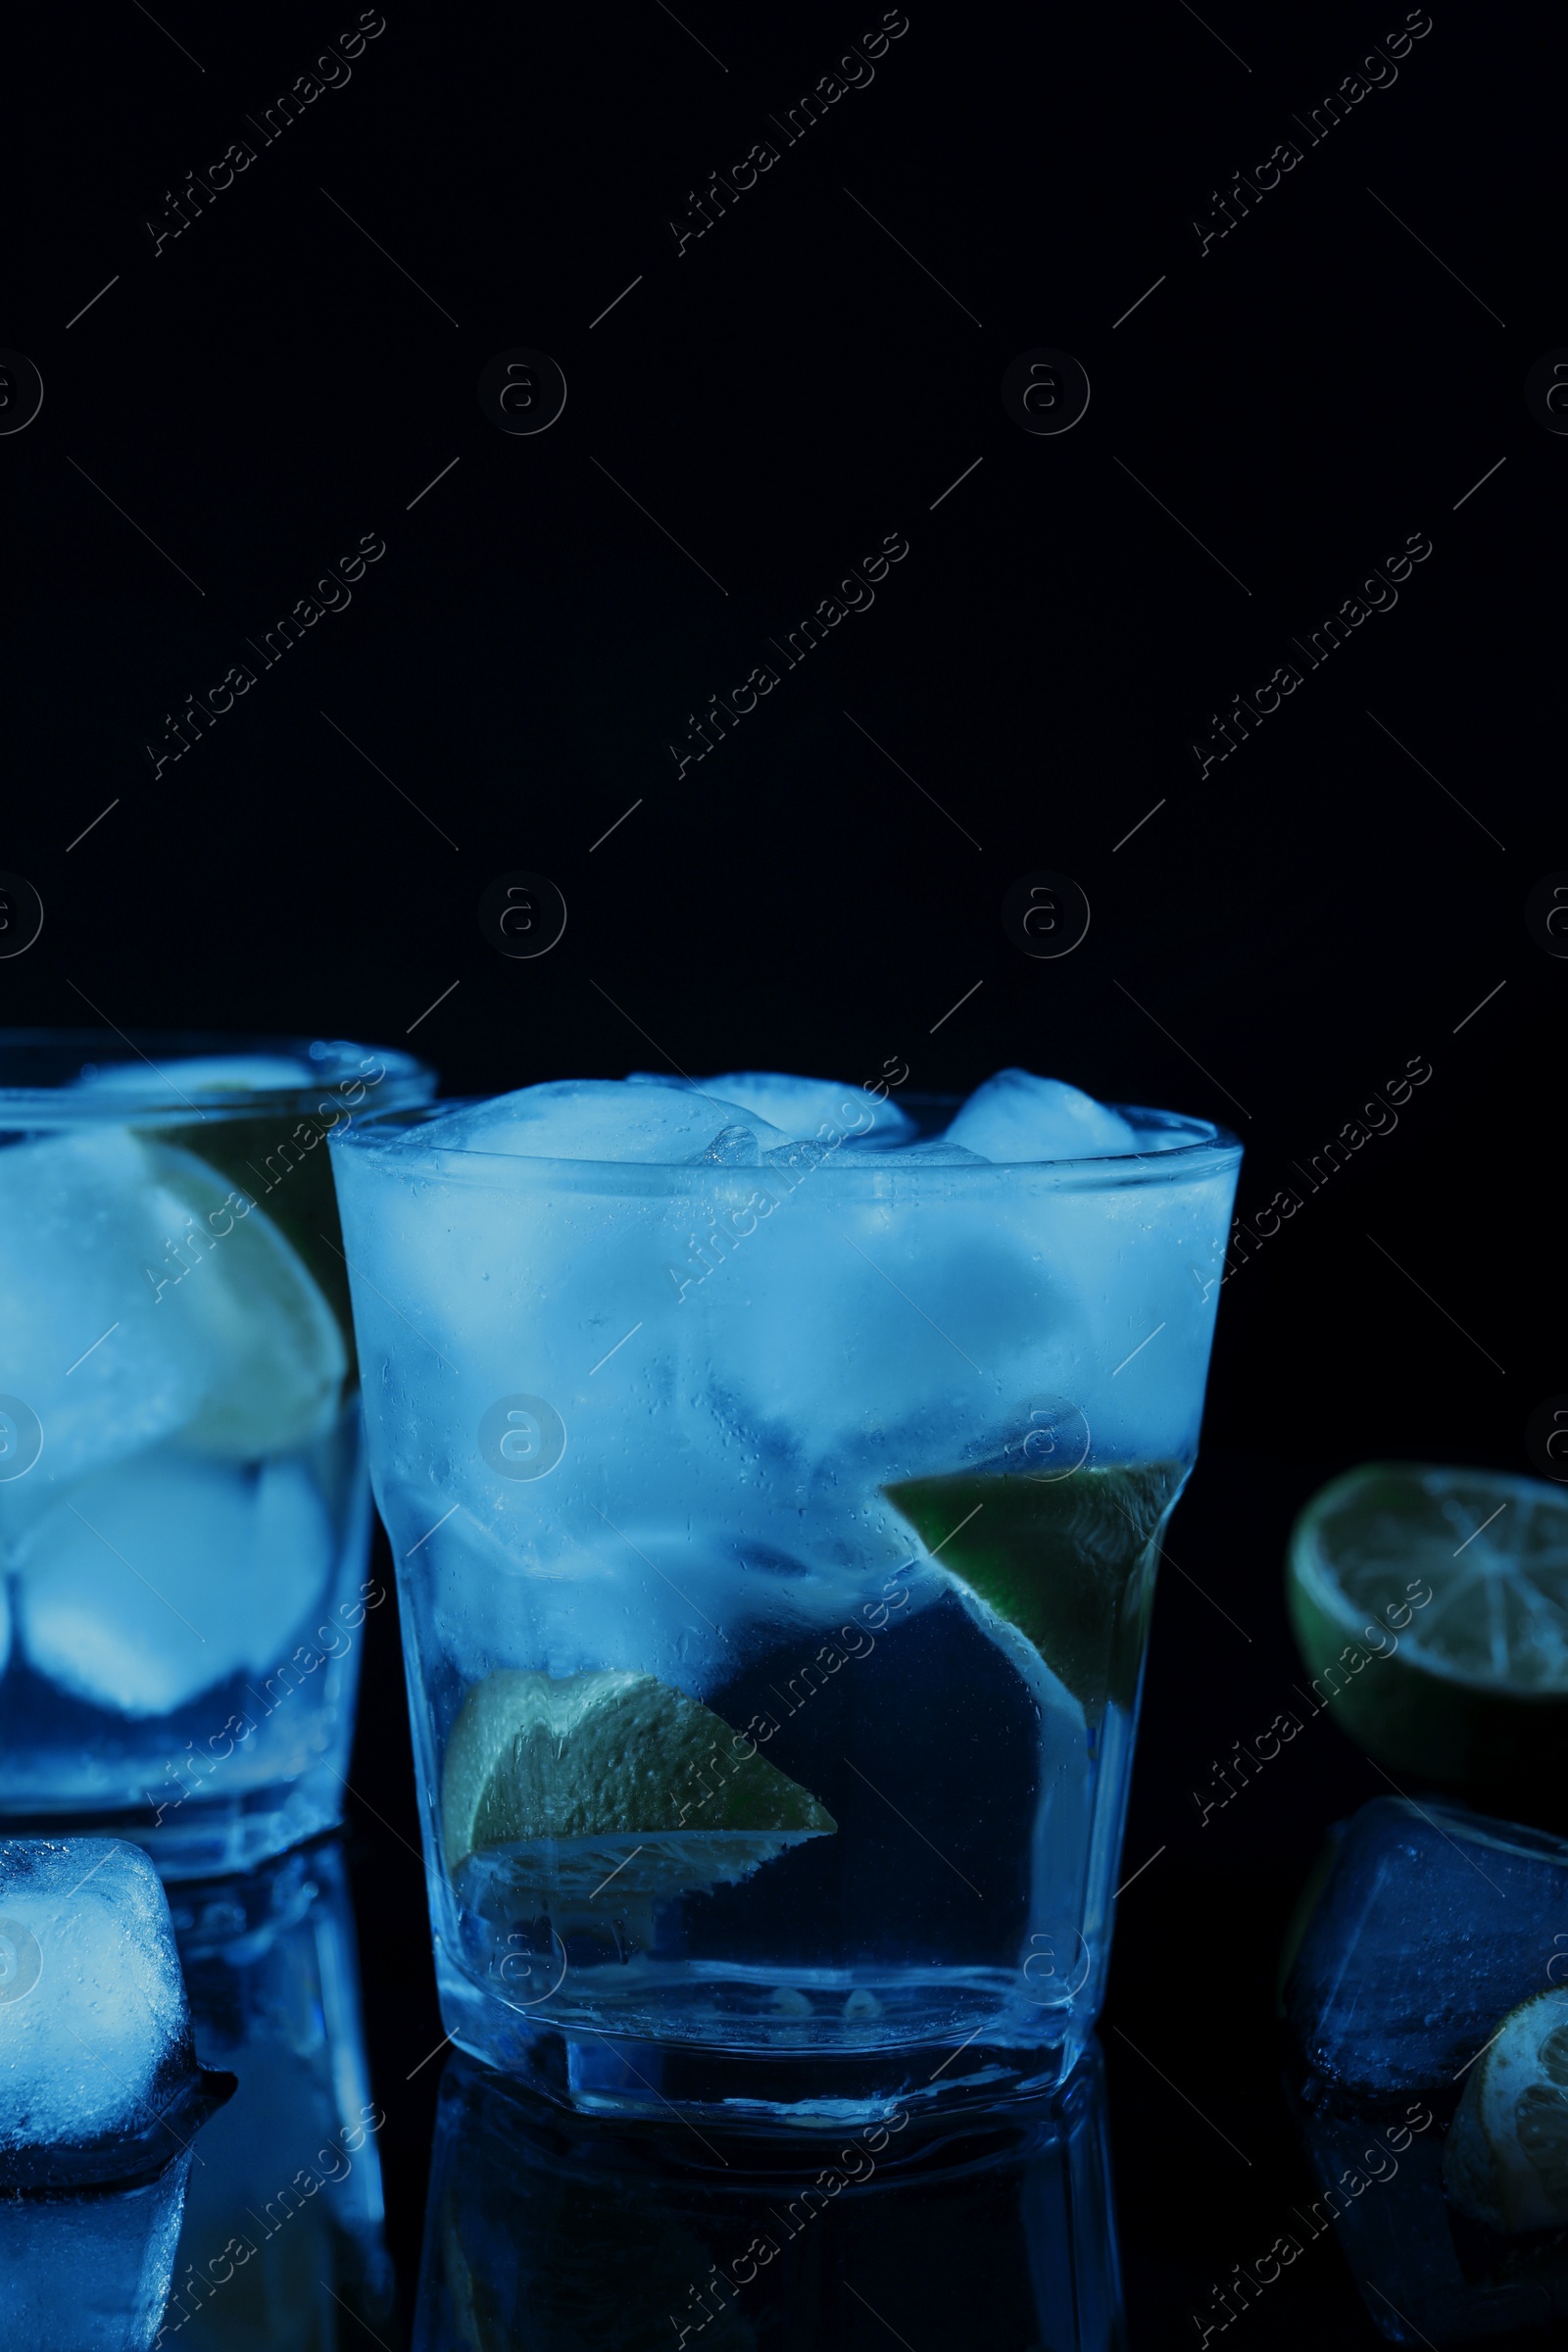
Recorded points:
(341, 1063)
(1209, 1150)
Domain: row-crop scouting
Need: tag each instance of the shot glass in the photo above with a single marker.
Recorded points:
(776, 1543)
(183, 1505)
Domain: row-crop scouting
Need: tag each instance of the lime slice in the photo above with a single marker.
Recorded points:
(615, 1780)
(255, 1314)
(1430, 1607)
(281, 1161)
(1505, 2159)
(1068, 1561)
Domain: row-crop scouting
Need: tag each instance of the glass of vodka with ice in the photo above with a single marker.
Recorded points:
(184, 1505)
(776, 1473)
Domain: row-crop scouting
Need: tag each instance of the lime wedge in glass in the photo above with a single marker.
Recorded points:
(1068, 1561)
(279, 1160)
(615, 1781)
(255, 1313)
(1505, 2159)
(1431, 1608)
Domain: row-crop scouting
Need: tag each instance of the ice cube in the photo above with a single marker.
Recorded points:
(1017, 1116)
(802, 1108)
(1433, 1923)
(574, 1590)
(598, 1119)
(851, 1333)
(86, 1346)
(1479, 1899)
(939, 1152)
(896, 1309)
(731, 1148)
(173, 1082)
(169, 1575)
(94, 2022)
(139, 1303)
(752, 1353)
(92, 2268)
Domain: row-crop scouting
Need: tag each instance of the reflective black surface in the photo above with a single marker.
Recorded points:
(537, 2228)
(241, 385)
(550, 2232)
(366, 2183)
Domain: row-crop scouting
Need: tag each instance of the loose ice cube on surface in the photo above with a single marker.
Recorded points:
(169, 1575)
(598, 1119)
(1016, 1117)
(1480, 1904)
(1430, 1927)
(95, 2037)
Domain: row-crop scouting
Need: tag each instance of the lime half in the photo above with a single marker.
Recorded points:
(615, 1781)
(1430, 1607)
(1505, 2159)
(1068, 1561)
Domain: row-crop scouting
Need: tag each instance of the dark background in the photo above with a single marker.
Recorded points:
(1278, 941)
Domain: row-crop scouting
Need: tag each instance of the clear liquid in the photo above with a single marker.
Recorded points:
(247, 1766)
(946, 1939)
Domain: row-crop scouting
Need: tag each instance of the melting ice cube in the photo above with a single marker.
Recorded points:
(94, 2025)
(801, 1107)
(598, 1119)
(169, 1575)
(1016, 1116)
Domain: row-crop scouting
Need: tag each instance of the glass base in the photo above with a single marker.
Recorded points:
(200, 1840)
(866, 2054)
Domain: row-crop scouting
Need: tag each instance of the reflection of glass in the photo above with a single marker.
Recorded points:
(777, 1543)
(1427, 1927)
(553, 2234)
(183, 1510)
(90, 2269)
(282, 2248)
(1427, 2274)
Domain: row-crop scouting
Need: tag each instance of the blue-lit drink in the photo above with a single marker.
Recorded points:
(183, 1507)
(776, 1479)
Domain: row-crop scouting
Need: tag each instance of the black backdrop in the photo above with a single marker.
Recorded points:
(1273, 411)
